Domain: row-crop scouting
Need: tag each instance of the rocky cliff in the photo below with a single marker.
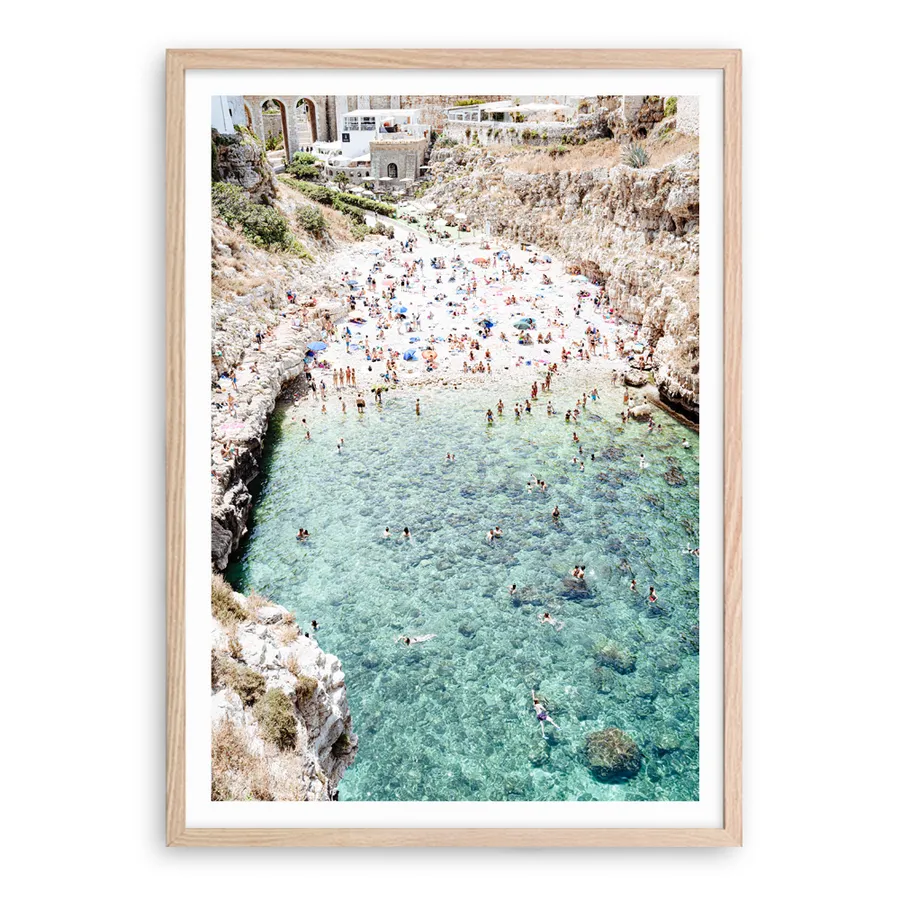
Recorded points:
(240, 159)
(634, 230)
(280, 720)
(249, 295)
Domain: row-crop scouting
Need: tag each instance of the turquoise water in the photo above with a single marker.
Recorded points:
(451, 719)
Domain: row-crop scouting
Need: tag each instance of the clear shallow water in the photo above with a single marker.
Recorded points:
(451, 719)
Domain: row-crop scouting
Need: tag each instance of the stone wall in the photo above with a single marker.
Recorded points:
(687, 117)
(408, 156)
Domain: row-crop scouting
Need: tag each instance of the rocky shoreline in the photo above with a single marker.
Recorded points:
(259, 657)
(277, 362)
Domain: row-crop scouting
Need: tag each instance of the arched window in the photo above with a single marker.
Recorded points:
(392, 170)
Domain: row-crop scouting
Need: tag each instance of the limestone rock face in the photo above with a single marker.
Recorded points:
(612, 755)
(244, 303)
(240, 159)
(636, 231)
(325, 745)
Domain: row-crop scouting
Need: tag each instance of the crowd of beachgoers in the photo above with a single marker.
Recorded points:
(426, 309)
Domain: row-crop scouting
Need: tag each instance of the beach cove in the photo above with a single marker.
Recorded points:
(451, 718)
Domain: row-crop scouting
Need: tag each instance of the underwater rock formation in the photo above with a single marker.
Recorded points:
(612, 755)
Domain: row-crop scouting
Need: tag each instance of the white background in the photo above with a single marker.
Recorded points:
(83, 211)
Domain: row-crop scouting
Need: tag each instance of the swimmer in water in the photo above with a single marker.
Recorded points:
(542, 714)
(652, 598)
(409, 641)
(512, 590)
(490, 536)
(643, 462)
(555, 514)
(547, 619)
(386, 533)
(406, 533)
(685, 444)
(315, 625)
(634, 584)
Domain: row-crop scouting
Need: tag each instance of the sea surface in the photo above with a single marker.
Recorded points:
(452, 718)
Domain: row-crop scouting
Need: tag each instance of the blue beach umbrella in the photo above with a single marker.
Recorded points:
(316, 346)
(354, 283)
(410, 354)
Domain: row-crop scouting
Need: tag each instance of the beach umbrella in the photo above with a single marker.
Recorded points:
(354, 283)
(522, 326)
(429, 354)
(316, 346)
(410, 354)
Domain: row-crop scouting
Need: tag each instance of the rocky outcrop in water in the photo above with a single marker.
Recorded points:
(636, 231)
(612, 755)
(256, 755)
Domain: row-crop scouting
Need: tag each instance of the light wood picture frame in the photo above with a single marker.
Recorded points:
(178, 63)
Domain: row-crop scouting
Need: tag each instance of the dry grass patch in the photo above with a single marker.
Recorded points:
(224, 605)
(305, 689)
(277, 723)
(287, 634)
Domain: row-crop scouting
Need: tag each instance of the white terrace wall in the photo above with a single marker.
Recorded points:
(509, 133)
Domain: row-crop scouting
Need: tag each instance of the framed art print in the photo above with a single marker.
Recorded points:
(440, 328)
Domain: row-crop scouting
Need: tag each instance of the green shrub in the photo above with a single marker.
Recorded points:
(360, 231)
(636, 156)
(469, 101)
(367, 203)
(263, 225)
(224, 607)
(342, 179)
(310, 219)
(249, 685)
(445, 141)
(317, 192)
(306, 688)
(275, 715)
(305, 159)
(303, 171)
(671, 106)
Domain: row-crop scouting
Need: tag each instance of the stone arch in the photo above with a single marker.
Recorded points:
(307, 126)
(271, 108)
(393, 171)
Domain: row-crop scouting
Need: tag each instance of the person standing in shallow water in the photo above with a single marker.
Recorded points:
(418, 412)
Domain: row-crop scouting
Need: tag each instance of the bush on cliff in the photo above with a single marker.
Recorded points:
(310, 219)
(671, 106)
(275, 715)
(248, 684)
(263, 225)
(305, 689)
(224, 607)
